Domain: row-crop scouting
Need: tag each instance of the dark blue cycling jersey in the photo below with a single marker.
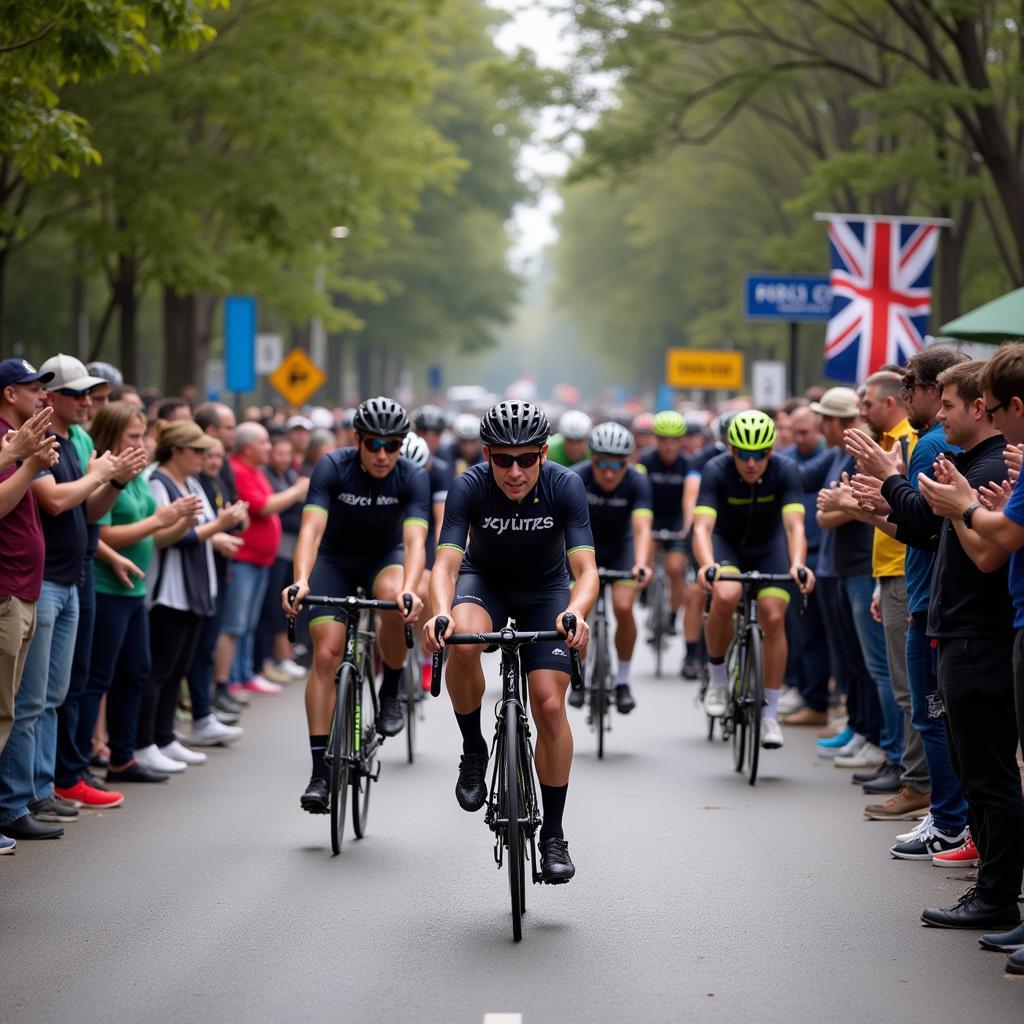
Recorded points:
(441, 476)
(365, 516)
(667, 479)
(611, 512)
(749, 515)
(517, 545)
(702, 458)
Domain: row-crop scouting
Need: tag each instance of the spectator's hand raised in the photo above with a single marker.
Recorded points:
(227, 545)
(231, 515)
(124, 569)
(129, 464)
(21, 444)
(1013, 456)
(168, 515)
(46, 456)
(949, 494)
(868, 492)
(871, 457)
(994, 496)
(102, 467)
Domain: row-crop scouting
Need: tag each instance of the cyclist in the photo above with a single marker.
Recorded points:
(666, 467)
(430, 422)
(643, 434)
(465, 450)
(750, 516)
(365, 504)
(620, 518)
(569, 445)
(519, 512)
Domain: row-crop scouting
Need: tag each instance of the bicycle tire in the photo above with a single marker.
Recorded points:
(339, 745)
(412, 683)
(657, 600)
(513, 833)
(599, 684)
(362, 780)
(705, 682)
(754, 690)
(738, 707)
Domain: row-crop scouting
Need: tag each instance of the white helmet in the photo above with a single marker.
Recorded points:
(575, 426)
(415, 449)
(467, 427)
(611, 439)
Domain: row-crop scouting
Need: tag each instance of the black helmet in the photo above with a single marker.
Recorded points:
(430, 417)
(382, 417)
(511, 424)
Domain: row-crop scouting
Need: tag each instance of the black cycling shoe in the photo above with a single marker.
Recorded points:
(624, 702)
(576, 698)
(691, 667)
(391, 717)
(471, 789)
(555, 865)
(316, 799)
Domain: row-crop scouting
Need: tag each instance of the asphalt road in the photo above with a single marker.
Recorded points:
(213, 898)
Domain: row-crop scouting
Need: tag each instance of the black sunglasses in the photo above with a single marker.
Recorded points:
(525, 460)
(382, 444)
(71, 393)
(995, 408)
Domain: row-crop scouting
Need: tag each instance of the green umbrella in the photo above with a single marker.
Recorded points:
(998, 320)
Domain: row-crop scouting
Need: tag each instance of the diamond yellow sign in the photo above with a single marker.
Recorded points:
(710, 369)
(297, 377)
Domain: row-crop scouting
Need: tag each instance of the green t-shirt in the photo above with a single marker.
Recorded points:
(82, 440)
(135, 502)
(556, 450)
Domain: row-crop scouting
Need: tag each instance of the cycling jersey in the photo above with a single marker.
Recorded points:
(749, 516)
(365, 515)
(667, 481)
(611, 512)
(440, 475)
(517, 545)
(702, 458)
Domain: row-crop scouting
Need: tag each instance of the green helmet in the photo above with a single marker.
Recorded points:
(752, 431)
(669, 424)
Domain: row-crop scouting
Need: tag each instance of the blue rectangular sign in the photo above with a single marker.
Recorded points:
(240, 343)
(786, 297)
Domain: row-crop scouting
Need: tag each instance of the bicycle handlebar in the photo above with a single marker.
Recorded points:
(503, 636)
(611, 575)
(758, 577)
(352, 604)
(664, 536)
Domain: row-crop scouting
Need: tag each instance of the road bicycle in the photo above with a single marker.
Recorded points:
(659, 595)
(354, 743)
(744, 662)
(512, 814)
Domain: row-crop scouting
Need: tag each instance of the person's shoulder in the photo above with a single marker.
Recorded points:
(583, 469)
(717, 463)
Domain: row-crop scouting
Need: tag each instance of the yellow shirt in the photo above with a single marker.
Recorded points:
(887, 553)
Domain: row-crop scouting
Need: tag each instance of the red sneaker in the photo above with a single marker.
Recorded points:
(964, 857)
(90, 796)
(425, 675)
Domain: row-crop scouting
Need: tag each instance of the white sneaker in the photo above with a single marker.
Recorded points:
(771, 734)
(715, 701)
(293, 668)
(208, 732)
(151, 758)
(855, 746)
(868, 756)
(924, 825)
(274, 673)
(790, 701)
(176, 752)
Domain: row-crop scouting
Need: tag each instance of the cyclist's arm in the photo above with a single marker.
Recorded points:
(583, 563)
(796, 539)
(314, 522)
(451, 545)
(414, 538)
(691, 488)
(642, 543)
(703, 525)
(442, 580)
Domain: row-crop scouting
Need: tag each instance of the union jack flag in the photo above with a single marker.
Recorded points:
(881, 292)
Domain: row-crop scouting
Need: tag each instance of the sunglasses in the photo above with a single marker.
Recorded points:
(755, 456)
(609, 463)
(995, 408)
(70, 393)
(504, 461)
(382, 444)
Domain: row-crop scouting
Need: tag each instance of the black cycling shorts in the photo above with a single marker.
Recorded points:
(532, 611)
(772, 557)
(341, 577)
(675, 524)
(618, 558)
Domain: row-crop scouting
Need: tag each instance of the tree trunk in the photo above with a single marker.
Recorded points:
(363, 370)
(4, 254)
(128, 304)
(204, 310)
(177, 357)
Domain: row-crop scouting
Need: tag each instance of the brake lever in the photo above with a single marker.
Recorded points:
(407, 601)
(292, 591)
(437, 658)
(575, 673)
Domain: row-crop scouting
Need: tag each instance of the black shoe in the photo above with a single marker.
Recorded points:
(98, 762)
(691, 667)
(555, 865)
(1004, 942)
(624, 699)
(26, 827)
(226, 717)
(972, 912)
(670, 629)
(316, 799)
(471, 789)
(1015, 965)
(52, 809)
(134, 772)
(871, 775)
(92, 779)
(227, 704)
(576, 697)
(391, 717)
(887, 782)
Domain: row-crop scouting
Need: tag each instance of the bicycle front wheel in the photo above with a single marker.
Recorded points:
(753, 688)
(366, 754)
(514, 831)
(410, 696)
(599, 684)
(339, 747)
(736, 659)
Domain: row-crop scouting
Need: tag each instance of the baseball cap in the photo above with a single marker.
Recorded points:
(842, 403)
(299, 422)
(20, 371)
(69, 373)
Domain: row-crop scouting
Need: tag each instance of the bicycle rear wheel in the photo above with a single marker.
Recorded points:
(599, 683)
(339, 747)
(736, 659)
(658, 623)
(362, 777)
(410, 696)
(753, 688)
(514, 831)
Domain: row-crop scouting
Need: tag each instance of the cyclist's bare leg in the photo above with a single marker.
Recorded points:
(391, 629)
(771, 615)
(553, 750)
(693, 619)
(718, 628)
(464, 676)
(328, 649)
(675, 566)
(623, 596)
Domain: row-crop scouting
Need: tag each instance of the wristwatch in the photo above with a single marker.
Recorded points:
(117, 485)
(968, 514)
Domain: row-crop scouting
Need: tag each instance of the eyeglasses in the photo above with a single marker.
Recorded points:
(909, 383)
(382, 444)
(609, 463)
(995, 408)
(70, 393)
(753, 456)
(525, 460)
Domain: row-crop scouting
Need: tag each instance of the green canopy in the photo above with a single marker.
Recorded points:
(998, 320)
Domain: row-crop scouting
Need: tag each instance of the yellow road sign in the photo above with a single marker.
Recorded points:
(297, 377)
(704, 368)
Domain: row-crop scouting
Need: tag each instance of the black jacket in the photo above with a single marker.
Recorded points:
(966, 602)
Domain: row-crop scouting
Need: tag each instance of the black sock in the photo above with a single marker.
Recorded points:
(317, 748)
(390, 682)
(221, 688)
(553, 799)
(473, 741)
(716, 661)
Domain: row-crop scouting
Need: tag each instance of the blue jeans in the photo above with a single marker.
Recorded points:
(27, 762)
(242, 614)
(72, 757)
(949, 808)
(859, 590)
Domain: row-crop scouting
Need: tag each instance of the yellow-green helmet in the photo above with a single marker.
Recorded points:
(669, 424)
(752, 431)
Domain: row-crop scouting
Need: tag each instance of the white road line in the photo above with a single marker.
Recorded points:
(503, 1018)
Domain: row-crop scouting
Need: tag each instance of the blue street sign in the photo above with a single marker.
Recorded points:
(434, 377)
(665, 398)
(240, 342)
(789, 297)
